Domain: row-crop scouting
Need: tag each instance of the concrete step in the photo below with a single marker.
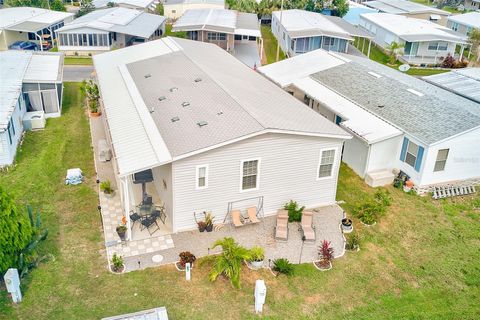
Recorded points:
(379, 178)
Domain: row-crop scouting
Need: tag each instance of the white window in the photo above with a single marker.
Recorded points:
(442, 156)
(249, 174)
(202, 177)
(325, 167)
(412, 154)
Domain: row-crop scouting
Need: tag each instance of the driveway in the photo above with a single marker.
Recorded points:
(75, 73)
(247, 53)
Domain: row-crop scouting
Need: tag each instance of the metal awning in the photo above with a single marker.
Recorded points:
(28, 26)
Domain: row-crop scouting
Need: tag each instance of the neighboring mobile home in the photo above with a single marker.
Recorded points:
(410, 9)
(107, 29)
(472, 4)
(464, 82)
(213, 132)
(174, 9)
(30, 24)
(464, 23)
(234, 31)
(397, 121)
(354, 11)
(302, 31)
(29, 82)
(142, 5)
(423, 42)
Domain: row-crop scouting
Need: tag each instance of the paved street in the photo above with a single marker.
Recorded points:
(76, 73)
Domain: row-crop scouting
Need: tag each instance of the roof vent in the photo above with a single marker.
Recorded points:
(415, 92)
(185, 104)
(173, 89)
(373, 74)
(175, 119)
(152, 109)
(220, 113)
(202, 123)
(148, 75)
(381, 106)
(162, 98)
(198, 79)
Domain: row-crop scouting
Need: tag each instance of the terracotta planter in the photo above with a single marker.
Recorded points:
(95, 114)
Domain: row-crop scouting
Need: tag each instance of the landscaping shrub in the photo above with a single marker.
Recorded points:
(117, 262)
(186, 257)
(294, 212)
(229, 262)
(352, 241)
(284, 266)
(383, 196)
(369, 211)
(325, 252)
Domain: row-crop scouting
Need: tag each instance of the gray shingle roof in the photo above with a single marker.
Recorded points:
(432, 117)
(233, 99)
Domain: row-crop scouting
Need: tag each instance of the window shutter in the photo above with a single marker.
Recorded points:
(404, 149)
(418, 163)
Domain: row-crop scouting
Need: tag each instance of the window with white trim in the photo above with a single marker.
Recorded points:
(250, 174)
(325, 168)
(442, 156)
(202, 177)
(412, 154)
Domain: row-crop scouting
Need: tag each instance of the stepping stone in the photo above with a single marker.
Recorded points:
(157, 258)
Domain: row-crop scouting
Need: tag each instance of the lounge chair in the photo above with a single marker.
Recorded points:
(281, 228)
(237, 218)
(307, 227)
(252, 215)
(282, 213)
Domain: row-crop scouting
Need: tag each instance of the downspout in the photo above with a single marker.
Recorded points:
(368, 160)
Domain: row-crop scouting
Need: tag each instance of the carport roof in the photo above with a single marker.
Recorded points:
(27, 19)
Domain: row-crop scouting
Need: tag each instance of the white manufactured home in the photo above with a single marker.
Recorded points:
(30, 89)
(214, 133)
(397, 121)
(424, 42)
(107, 29)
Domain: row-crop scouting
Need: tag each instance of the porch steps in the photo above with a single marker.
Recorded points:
(452, 191)
(379, 178)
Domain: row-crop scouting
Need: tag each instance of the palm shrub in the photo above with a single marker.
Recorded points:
(284, 266)
(106, 187)
(257, 254)
(229, 262)
(15, 231)
(294, 212)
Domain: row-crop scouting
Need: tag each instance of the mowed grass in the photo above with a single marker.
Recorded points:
(270, 45)
(84, 61)
(421, 261)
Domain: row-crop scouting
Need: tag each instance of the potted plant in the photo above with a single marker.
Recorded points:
(185, 257)
(117, 264)
(347, 225)
(201, 226)
(106, 188)
(93, 107)
(122, 230)
(352, 242)
(209, 222)
(257, 255)
(325, 253)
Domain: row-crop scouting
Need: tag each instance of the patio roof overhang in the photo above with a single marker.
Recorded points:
(28, 26)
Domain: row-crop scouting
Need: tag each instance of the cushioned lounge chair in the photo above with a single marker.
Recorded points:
(281, 228)
(308, 228)
(252, 215)
(237, 218)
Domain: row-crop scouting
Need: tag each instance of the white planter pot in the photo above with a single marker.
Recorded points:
(255, 265)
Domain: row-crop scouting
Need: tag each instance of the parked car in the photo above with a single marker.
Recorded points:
(24, 45)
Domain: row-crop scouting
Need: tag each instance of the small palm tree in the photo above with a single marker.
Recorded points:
(393, 48)
(229, 263)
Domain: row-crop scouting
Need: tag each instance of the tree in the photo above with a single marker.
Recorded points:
(393, 48)
(474, 40)
(229, 263)
(338, 7)
(86, 6)
(159, 9)
(15, 231)
(56, 5)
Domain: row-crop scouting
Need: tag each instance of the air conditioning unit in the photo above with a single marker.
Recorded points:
(34, 120)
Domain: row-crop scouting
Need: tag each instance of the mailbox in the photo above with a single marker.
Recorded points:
(12, 281)
(260, 295)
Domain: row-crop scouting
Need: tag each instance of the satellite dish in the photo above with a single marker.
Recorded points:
(404, 67)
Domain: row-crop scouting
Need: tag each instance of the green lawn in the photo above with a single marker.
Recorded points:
(425, 71)
(168, 32)
(270, 45)
(421, 261)
(86, 61)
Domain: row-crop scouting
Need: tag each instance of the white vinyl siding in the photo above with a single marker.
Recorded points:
(327, 160)
(442, 156)
(288, 168)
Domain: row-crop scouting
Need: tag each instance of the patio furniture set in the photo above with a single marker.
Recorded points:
(306, 226)
(147, 215)
(239, 220)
